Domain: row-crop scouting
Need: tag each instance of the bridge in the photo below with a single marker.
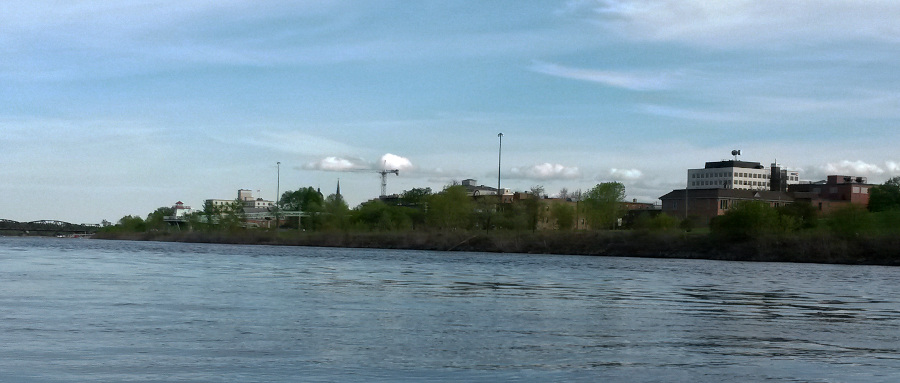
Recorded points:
(45, 227)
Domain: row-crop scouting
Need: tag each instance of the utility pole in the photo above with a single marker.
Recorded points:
(499, 158)
(277, 195)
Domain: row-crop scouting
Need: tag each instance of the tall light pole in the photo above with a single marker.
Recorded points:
(499, 158)
(277, 195)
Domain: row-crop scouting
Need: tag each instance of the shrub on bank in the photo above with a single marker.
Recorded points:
(751, 219)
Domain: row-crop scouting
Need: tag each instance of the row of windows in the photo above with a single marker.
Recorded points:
(736, 182)
(739, 174)
(729, 174)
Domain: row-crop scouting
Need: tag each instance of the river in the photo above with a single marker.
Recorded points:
(80, 310)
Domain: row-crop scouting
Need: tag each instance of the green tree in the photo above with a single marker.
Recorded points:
(533, 207)
(233, 216)
(156, 219)
(485, 212)
(563, 214)
(307, 200)
(886, 196)
(377, 215)
(749, 219)
(210, 215)
(415, 196)
(450, 209)
(603, 204)
(335, 213)
(803, 212)
(301, 199)
(416, 202)
(131, 223)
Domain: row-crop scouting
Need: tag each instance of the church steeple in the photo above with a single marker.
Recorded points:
(338, 193)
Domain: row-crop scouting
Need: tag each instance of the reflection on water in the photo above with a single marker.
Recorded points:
(86, 310)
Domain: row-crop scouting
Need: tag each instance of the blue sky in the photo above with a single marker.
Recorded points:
(110, 108)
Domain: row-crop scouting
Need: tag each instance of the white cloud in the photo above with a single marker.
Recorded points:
(625, 80)
(392, 161)
(730, 23)
(852, 168)
(546, 171)
(892, 166)
(337, 164)
(625, 174)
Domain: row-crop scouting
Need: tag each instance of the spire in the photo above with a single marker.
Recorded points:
(338, 187)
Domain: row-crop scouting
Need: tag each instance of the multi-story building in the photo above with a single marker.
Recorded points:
(245, 197)
(741, 175)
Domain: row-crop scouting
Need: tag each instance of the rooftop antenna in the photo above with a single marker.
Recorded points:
(736, 153)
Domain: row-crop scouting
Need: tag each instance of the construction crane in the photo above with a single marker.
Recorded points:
(384, 174)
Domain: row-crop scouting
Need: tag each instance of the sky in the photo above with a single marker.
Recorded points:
(114, 108)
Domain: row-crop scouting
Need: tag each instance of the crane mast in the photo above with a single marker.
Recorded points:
(384, 174)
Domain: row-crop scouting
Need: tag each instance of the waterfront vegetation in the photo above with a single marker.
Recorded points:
(451, 220)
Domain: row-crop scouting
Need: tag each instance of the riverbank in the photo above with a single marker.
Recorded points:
(807, 248)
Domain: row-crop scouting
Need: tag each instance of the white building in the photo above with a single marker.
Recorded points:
(743, 175)
(181, 210)
(245, 197)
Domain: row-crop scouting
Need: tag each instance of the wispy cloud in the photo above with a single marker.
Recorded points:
(624, 80)
(338, 164)
(861, 103)
(545, 171)
(761, 22)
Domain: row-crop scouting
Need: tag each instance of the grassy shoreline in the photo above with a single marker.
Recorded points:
(803, 248)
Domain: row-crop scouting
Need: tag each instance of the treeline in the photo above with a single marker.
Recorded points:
(416, 209)
(600, 208)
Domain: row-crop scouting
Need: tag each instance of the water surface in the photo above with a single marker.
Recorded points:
(102, 311)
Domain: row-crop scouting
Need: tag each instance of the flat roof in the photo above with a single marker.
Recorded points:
(733, 164)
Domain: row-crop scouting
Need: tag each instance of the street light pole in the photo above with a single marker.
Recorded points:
(277, 195)
(499, 158)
